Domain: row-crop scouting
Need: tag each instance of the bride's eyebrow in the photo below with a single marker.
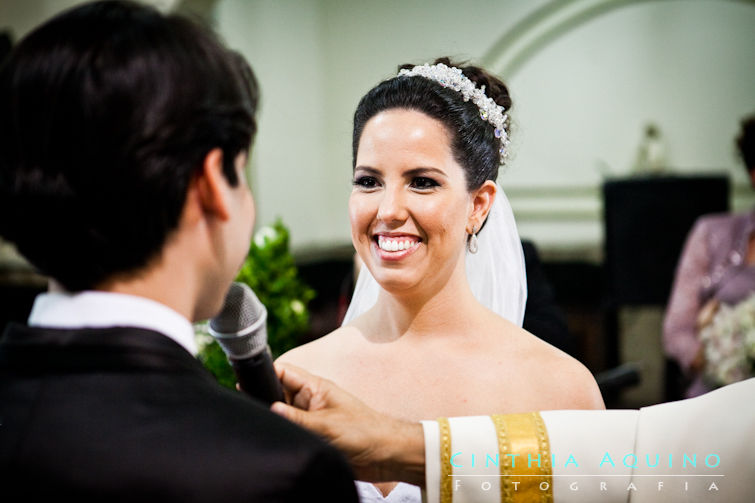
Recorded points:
(424, 171)
(367, 170)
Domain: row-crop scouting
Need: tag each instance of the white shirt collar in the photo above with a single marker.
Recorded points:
(91, 309)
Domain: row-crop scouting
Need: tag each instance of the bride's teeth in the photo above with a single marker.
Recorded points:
(395, 245)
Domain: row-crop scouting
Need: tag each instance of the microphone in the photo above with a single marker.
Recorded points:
(241, 331)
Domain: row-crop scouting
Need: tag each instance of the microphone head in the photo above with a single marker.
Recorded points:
(240, 326)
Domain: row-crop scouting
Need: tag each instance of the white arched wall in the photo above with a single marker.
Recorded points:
(581, 101)
(582, 107)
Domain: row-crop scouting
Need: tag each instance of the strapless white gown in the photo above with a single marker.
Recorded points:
(402, 493)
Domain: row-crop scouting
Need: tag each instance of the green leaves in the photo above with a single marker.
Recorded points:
(270, 271)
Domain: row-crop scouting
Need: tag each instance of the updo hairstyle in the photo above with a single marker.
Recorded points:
(473, 142)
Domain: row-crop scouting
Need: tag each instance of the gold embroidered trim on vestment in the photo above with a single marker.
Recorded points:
(525, 458)
(446, 471)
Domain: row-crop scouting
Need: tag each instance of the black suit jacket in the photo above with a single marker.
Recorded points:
(125, 414)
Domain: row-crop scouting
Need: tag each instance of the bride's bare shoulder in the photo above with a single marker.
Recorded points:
(321, 351)
(563, 382)
(569, 382)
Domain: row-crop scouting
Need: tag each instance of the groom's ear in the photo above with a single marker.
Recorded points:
(212, 186)
(482, 201)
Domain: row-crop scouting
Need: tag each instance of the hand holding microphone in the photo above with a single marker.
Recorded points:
(241, 330)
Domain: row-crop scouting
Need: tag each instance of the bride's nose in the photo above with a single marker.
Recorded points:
(392, 207)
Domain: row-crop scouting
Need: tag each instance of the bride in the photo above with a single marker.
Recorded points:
(434, 327)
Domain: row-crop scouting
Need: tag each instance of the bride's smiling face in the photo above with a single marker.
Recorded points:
(410, 207)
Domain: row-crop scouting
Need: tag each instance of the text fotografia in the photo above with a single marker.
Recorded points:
(600, 485)
(630, 460)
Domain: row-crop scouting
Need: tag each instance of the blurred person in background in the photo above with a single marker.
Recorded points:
(711, 309)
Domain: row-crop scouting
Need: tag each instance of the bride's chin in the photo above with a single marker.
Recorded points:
(395, 282)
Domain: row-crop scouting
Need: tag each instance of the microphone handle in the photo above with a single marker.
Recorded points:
(258, 379)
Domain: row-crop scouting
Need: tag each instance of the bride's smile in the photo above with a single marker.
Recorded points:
(410, 206)
(395, 247)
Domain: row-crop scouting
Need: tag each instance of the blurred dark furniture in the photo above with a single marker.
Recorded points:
(543, 317)
(646, 221)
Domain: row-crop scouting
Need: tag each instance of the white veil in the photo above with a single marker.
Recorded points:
(496, 273)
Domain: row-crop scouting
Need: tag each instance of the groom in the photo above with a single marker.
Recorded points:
(123, 140)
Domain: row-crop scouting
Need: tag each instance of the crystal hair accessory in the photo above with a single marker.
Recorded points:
(453, 78)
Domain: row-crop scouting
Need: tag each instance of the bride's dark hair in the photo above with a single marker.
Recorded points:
(473, 141)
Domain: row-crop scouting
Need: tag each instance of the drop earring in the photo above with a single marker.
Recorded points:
(472, 244)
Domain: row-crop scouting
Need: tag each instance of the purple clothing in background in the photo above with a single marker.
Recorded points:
(713, 265)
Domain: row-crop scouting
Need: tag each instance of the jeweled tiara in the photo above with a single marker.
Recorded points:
(452, 77)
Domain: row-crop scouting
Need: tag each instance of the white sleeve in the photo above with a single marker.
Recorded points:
(485, 459)
(700, 449)
(472, 449)
(587, 448)
(432, 462)
(575, 455)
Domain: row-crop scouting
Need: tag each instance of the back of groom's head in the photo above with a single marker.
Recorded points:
(106, 113)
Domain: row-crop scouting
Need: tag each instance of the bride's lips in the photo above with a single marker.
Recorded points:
(392, 247)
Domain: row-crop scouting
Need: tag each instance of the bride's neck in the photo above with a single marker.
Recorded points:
(446, 309)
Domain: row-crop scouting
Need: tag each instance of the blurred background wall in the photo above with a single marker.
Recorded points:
(582, 98)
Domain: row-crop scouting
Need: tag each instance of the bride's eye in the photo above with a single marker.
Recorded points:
(424, 183)
(365, 182)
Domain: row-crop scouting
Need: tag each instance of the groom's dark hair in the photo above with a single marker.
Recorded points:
(106, 113)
